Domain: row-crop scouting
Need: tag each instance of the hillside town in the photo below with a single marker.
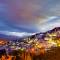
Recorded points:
(31, 47)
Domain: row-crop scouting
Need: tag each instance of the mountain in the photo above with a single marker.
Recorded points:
(8, 37)
(42, 35)
(37, 35)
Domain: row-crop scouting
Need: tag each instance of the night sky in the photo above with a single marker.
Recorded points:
(26, 17)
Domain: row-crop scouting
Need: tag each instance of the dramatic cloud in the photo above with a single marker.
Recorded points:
(18, 34)
(50, 24)
(29, 16)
